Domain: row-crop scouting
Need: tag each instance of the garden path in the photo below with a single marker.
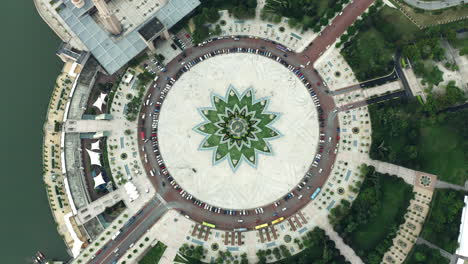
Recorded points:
(444, 253)
(345, 250)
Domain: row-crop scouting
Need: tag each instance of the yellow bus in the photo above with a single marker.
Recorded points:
(277, 220)
(208, 225)
(261, 226)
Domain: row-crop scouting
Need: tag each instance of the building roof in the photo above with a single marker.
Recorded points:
(463, 236)
(151, 29)
(114, 52)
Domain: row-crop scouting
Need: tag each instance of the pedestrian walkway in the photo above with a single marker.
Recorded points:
(434, 5)
(445, 254)
(446, 185)
(168, 256)
(345, 250)
(60, 200)
(95, 208)
(414, 83)
(91, 126)
(408, 175)
(410, 230)
(334, 70)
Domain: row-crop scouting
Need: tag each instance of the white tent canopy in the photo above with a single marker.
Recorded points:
(98, 180)
(128, 78)
(95, 157)
(100, 101)
(95, 145)
(131, 190)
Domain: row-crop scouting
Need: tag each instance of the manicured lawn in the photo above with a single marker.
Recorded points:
(179, 259)
(421, 254)
(318, 247)
(395, 200)
(369, 224)
(407, 30)
(403, 134)
(322, 6)
(441, 153)
(154, 254)
(368, 55)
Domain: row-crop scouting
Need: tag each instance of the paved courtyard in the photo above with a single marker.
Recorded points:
(260, 179)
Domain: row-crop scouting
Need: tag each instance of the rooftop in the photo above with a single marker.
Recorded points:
(114, 52)
(151, 29)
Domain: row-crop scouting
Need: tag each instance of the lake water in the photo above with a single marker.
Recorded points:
(28, 69)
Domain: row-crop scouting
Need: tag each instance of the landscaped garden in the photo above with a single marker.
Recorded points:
(208, 13)
(443, 223)
(154, 254)
(303, 14)
(319, 248)
(370, 223)
(370, 43)
(404, 133)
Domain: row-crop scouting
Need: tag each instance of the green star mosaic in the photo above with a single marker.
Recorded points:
(237, 127)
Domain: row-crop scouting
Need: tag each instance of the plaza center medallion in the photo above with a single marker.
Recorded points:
(237, 127)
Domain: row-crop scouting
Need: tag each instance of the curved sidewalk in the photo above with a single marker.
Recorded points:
(433, 5)
(345, 250)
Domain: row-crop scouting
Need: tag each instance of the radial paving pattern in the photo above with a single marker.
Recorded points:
(255, 118)
(237, 127)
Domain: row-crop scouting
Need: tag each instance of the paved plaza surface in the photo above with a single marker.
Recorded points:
(251, 184)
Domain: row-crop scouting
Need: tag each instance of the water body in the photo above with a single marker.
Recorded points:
(28, 68)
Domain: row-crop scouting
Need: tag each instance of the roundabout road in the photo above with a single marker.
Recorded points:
(271, 212)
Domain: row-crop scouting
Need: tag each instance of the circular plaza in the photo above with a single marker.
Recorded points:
(238, 131)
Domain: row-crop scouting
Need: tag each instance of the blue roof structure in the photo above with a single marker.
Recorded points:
(114, 52)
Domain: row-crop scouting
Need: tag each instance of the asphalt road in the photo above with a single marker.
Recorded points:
(130, 233)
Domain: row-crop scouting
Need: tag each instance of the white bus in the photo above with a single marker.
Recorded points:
(115, 235)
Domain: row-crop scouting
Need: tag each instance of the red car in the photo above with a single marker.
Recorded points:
(318, 83)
